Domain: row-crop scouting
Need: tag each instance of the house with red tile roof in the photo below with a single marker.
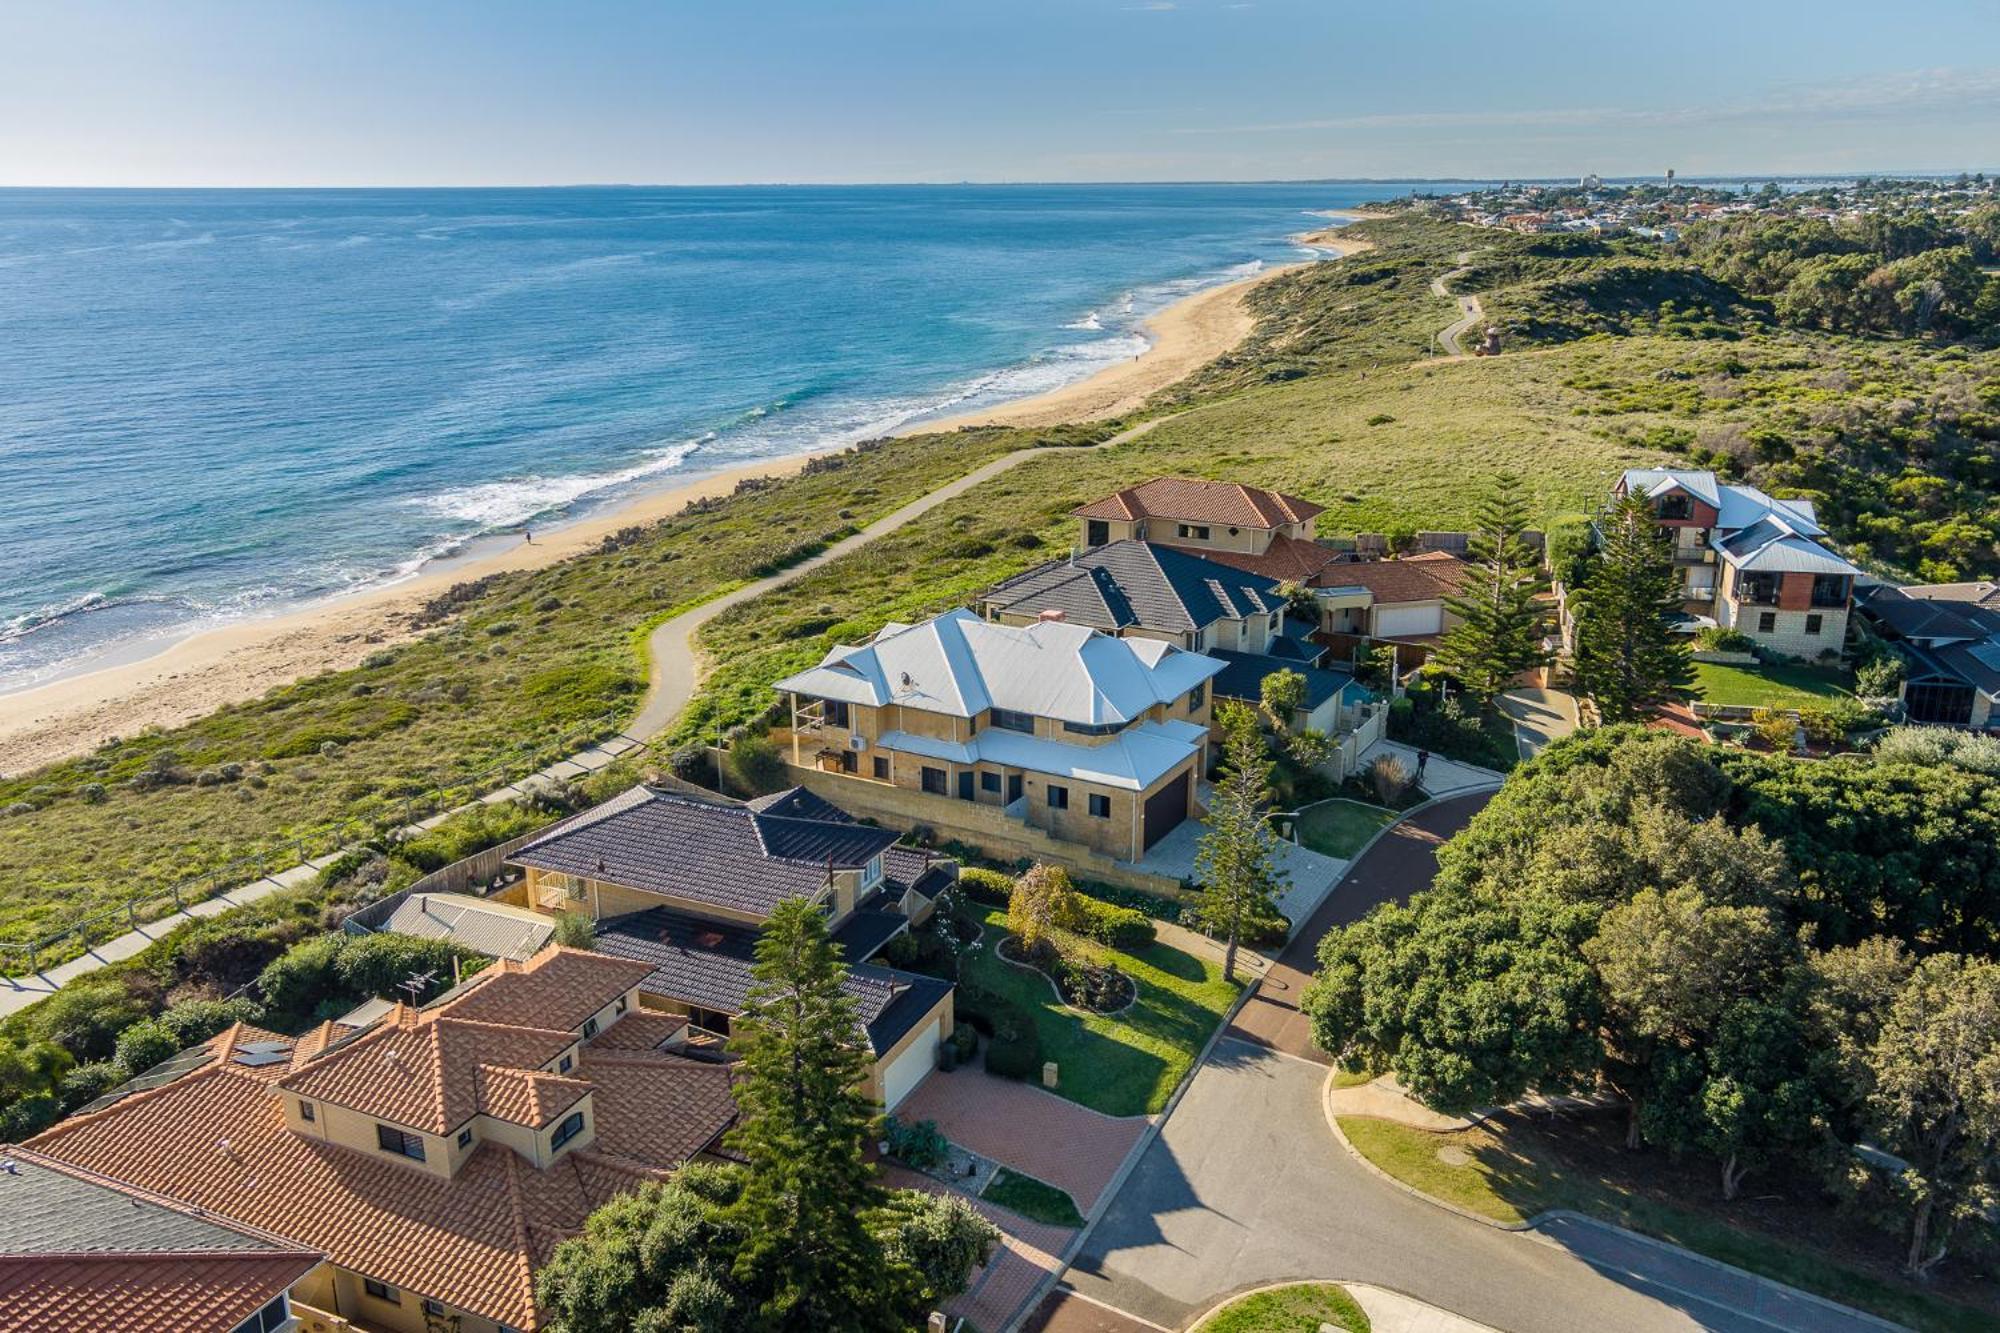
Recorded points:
(80, 1251)
(434, 1156)
(1399, 602)
(1245, 527)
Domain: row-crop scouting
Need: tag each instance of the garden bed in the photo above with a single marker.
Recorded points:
(1033, 1199)
(1303, 1307)
(1115, 994)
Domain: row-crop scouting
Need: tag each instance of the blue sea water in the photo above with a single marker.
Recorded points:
(216, 404)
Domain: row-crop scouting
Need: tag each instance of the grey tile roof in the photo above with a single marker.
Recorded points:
(1243, 678)
(1130, 584)
(723, 854)
(1918, 617)
(48, 1209)
(863, 934)
(707, 964)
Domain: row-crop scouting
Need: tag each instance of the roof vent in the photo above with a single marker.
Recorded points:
(13, 1168)
(224, 1147)
(1052, 614)
(600, 865)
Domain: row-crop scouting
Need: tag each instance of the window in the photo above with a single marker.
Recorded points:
(267, 1320)
(1274, 620)
(619, 1008)
(1100, 805)
(1096, 532)
(872, 875)
(381, 1291)
(1194, 531)
(567, 1130)
(1096, 728)
(562, 1066)
(836, 713)
(1813, 624)
(934, 780)
(306, 1112)
(1760, 588)
(465, 1137)
(1058, 797)
(965, 784)
(989, 781)
(1008, 720)
(1829, 590)
(589, 1028)
(390, 1139)
(1196, 695)
(1938, 702)
(1676, 506)
(881, 768)
(435, 1309)
(850, 762)
(1767, 622)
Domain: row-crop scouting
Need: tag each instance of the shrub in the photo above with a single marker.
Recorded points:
(1015, 1050)
(93, 793)
(986, 886)
(1829, 723)
(755, 762)
(1151, 904)
(85, 1019)
(86, 1083)
(1924, 746)
(144, 1045)
(1777, 729)
(1389, 778)
(29, 1117)
(922, 1145)
(377, 965)
(574, 930)
(1043, 905)
(1879, 676)
(964, 1041)
(297, 980)
(693, 763)
(1123, 928)
(1722, 639)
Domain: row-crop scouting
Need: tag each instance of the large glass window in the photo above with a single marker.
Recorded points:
(1058, 797)
(381, 1291)
(390, 1139)
(934, 781)
(1939, 703)
(267, 1320)
(1009, 720)
(1829, 590)
(567, 1130)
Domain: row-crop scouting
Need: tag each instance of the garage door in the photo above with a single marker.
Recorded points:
(908, 1069)
(1403, 622)
(1166, 808)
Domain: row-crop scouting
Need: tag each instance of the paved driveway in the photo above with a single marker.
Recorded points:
(1246, 1186)
(1016, 1124)
(1309, 875)
(1442, 777)
(1539, 716)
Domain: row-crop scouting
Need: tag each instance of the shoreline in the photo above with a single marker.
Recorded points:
(195, 674)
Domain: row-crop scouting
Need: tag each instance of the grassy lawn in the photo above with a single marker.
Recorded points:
(1770, 685)
(1298, 1309)
(1341, 828)
(1518, 1172)
(1120, 1064)
(1032, 1199)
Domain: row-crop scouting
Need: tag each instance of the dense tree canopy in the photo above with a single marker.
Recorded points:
(1770, 959)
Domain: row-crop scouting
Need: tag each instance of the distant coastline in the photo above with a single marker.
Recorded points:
(178, 679)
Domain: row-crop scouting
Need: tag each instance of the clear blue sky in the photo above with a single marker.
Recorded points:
(451, 92)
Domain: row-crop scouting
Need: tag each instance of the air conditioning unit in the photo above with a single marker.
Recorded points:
(857, 742)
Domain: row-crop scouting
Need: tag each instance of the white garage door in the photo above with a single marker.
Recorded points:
(909, 1068)
(1402, 622)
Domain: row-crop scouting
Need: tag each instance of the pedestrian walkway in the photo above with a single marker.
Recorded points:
(1441, 776)
(675, 673)
(1539, 717)
(1393, 1312)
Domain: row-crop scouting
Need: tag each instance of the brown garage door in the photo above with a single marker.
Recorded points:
(1165, 808)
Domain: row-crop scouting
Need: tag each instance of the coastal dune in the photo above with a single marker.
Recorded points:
(197, 674)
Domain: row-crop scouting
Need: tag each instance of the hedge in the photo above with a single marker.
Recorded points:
(1124, 928)
(986, 886)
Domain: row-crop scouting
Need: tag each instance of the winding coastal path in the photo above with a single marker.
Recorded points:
(675, 671)
(1470, 312)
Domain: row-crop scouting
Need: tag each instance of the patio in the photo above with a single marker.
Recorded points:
(1309, 876)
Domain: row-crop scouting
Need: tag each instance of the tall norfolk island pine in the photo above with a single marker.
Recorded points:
(1233, 861)
(1500, 621)
(1627, 657)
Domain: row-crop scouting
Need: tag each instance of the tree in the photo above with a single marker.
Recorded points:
(653, 1261)
(940, 1238)
(1500, 617)
(808, 1258)
(1627, 657)
(1043, 907)
(1283, 695)
(1234, 861)
(1936, 1097)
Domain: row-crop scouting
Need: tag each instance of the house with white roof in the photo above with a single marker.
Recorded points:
(1751, 562)
(1094, 740)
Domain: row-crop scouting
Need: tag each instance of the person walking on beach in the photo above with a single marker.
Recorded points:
(527, 536)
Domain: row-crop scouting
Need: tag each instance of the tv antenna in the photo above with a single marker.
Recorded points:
(416, 984)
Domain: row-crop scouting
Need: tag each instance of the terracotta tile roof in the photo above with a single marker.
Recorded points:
(1286, 558)
(216, 1138)
(642, 1030)
(421, 1069)
(1194, 501)
(557, 988)
(197, 1292)
(1429, 577)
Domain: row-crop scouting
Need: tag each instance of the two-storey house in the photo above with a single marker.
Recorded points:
(1247, 527)
(1948, 635)
(436, 1156)
(1750, 562)
(1093, 740)
(684, 884)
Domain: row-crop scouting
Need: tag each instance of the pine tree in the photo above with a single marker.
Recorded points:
(1627, 656)
(1500, 619)
(1233, 861)
(808, 1259)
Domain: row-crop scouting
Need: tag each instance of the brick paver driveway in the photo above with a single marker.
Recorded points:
(1405, 858)
(1028, 1252)
(1036, 1132)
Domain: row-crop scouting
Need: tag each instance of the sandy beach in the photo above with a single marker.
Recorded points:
(206, 670)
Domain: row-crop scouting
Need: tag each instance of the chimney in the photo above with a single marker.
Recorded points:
(1052, 615)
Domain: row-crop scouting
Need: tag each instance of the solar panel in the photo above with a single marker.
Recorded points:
(258, 1059)
(265, 1046)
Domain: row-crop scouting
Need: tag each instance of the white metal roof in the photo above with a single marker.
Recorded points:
(1772, 544)
(960, 665)
(1736, 505)
(1133, 760)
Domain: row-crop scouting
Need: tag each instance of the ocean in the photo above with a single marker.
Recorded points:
(219, 404)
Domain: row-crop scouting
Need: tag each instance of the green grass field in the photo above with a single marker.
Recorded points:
(1340, 827)
(1302, 1308)
(1770, 685)
(1121, 1064)
(1511, 1177)
(1033, 1199)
